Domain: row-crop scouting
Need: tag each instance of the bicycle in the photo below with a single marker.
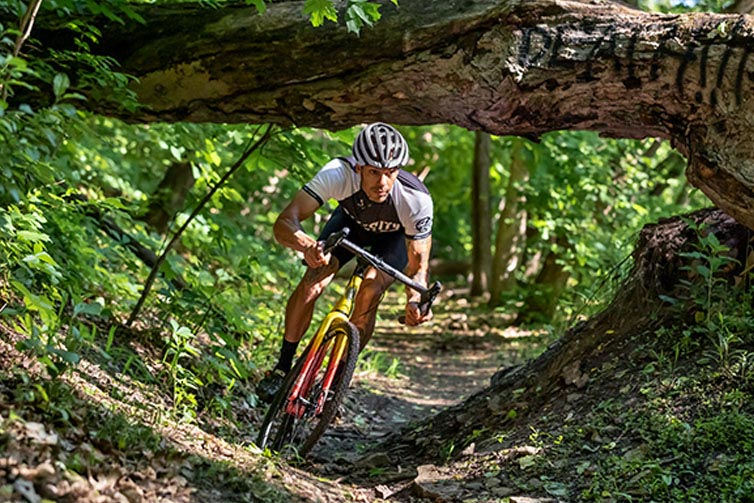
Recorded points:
(313, 390)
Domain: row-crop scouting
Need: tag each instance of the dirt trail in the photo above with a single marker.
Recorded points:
(439, 365)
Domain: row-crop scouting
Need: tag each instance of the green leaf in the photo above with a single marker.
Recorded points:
(527, 461)
(114, 202)
(66, 356)
(18, 63)
(556, 489)
(372, 11)
(177, 152)
(60, 84)
(38, 303)
(40, 257)
(131, 14)
(32, 236)
(74, 96)
(641, 210)
(353, 26)
(668, 299)
(259, 4)
(703, 271)
(355, 10)
(319, 10)
(361, 12)
(93, 309)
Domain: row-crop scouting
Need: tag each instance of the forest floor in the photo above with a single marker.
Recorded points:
(410, 374)
(96, 435)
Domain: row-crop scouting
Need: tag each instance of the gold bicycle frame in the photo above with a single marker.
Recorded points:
(341, 311)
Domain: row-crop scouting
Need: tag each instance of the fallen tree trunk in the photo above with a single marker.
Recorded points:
(518, 67)
(638, 307)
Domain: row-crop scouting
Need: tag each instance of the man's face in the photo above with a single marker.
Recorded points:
(377, 182)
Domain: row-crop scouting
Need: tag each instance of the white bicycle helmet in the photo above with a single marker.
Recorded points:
(381, 146)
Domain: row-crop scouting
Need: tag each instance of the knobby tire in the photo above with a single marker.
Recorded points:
(279, 429)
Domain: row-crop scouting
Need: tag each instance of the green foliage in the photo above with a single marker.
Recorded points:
(378, 362)
(586, 198)
(680, 458)
(721, 320)
(362, 12)
(707, 285)
(320, 10)
(693, 425)
(358, 13)
(681, 6)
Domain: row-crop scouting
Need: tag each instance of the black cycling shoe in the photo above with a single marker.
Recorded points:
(269, 386)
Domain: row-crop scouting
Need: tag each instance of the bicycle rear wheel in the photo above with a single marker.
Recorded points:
(294, 424)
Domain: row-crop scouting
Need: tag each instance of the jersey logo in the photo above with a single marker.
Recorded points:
(424, 224)
(360, 202)
(382, 226)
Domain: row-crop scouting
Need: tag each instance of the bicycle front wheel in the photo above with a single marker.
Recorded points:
(311, 394)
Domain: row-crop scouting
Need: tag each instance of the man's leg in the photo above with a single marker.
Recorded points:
(391, 246)
(367, 300)
(300, 308)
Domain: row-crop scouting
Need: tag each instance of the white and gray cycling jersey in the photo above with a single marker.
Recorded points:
(408, 207)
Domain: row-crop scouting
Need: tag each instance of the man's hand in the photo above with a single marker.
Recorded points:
(414, 316)
(315, 255)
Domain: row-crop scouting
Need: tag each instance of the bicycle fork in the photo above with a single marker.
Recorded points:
(297, 404)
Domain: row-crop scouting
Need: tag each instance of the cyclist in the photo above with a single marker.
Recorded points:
(386, 209)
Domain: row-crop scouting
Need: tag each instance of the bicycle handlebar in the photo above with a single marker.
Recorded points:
(335, 239)
(428, 295)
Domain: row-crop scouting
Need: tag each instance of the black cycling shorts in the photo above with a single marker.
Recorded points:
(389, 246)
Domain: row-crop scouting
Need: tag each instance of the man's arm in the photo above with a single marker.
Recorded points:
(289, 233)
(418, 270)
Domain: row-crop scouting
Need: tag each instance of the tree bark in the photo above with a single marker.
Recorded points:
(170, 196)
(741, 7)
(481, 220)
(542, 300)
(519, 67)
(510, 239)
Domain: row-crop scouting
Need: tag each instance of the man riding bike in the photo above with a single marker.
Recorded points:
(387, 210)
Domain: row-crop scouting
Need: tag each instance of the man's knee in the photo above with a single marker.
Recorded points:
(370, 295)
(315, 281)
(369, 298)
(377, 281)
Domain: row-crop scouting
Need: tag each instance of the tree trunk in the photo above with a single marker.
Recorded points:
(481, 221)
(510, 239)
(170, 196)
(542, 297)
(741, 7)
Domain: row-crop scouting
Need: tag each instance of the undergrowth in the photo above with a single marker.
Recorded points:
(673, 420)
